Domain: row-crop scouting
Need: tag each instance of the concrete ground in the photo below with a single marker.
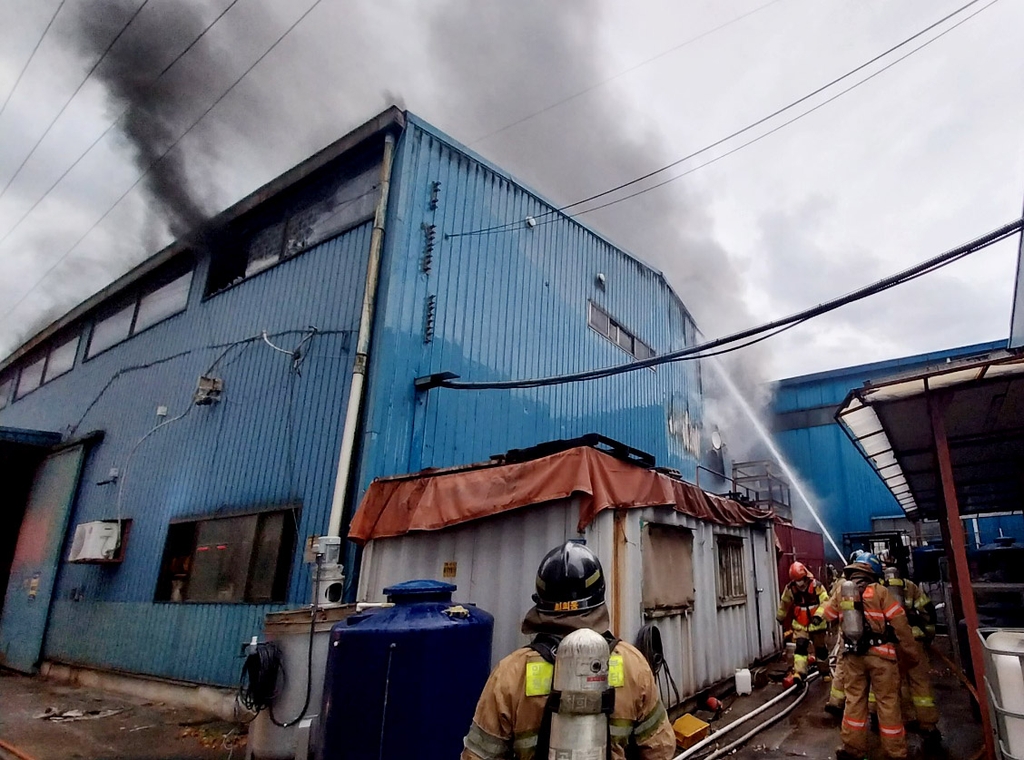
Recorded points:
(140, 730)
(810, 732)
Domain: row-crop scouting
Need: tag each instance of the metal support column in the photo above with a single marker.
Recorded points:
(959, 572)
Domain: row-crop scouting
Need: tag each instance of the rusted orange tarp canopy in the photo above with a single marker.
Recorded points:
(394, 507)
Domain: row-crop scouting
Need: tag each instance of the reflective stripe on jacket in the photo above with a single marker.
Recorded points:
(880, 608)
(506, 721)
(804, 605)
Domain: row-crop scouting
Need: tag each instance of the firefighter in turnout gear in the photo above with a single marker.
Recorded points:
(837, 695)
(920, 706)
(801, 600)
(514, 714)
(875, 631)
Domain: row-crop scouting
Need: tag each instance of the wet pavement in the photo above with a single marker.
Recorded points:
(88, 724)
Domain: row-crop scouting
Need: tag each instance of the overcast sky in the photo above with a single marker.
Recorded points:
(921, 158)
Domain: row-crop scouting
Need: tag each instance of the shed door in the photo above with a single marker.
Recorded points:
(36, 557)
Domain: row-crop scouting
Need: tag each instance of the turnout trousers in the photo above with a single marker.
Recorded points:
(804, 640)
(837, 693)
(862, 673)
(922, 700)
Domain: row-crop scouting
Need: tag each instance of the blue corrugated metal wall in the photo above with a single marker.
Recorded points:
(511, 305)
(848, 491)
(273, 438)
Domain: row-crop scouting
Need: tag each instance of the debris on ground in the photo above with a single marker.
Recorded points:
(66, 716)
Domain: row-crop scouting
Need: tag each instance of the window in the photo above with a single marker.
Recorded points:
(149, 307)
(732, 587)
(600, 321)
(241, 558)
(667, 554)
(6, 386)
(31, 377)
(164, 302)
(62, 359)
(295, 221)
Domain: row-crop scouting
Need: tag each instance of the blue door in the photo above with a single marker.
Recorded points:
(34, 568)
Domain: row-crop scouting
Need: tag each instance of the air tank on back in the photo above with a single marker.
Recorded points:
(405, 678)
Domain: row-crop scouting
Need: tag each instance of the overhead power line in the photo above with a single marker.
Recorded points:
(159, 158)
(622, 73)
(31, 57)
(729, 342)
(562, 209)
(110, 128)
(78, 89)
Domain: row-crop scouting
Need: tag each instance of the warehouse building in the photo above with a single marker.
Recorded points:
(170, 446)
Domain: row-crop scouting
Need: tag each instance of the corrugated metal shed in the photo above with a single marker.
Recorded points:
(848, 492)
(493, 561)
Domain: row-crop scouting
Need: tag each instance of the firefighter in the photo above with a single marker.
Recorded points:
(801, 600)
(921, 616)
(836, 695)
(513, 715)
(875, 629)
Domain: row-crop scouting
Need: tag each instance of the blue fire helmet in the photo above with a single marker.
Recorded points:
(866, 562)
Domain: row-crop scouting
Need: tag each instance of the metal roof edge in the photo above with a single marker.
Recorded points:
(390, 118)
(895, 363)
(471, 154)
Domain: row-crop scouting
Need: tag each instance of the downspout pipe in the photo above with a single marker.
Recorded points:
(362, 359)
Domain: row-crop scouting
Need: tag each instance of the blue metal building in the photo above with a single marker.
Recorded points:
(850, 495)
(257, 318)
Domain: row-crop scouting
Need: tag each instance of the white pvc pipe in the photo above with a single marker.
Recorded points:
(355, 396)
(757, 729)
(739, 721)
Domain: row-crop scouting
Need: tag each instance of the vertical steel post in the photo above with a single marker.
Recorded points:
(960, 572)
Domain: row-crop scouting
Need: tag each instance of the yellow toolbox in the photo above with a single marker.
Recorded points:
(689, 730)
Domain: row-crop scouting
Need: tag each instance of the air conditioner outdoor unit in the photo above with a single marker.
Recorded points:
(95, 542)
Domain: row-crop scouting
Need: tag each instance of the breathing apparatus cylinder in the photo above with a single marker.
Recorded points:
(852, 620)
(896, 586)
(579, 729)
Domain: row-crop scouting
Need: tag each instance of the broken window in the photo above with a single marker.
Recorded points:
(732, 587)
(667, 555)
(240, 558)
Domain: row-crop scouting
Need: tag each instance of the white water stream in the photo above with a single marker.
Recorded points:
(766, 436)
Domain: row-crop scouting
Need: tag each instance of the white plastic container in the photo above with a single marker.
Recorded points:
(743, 681)
(1010, 684)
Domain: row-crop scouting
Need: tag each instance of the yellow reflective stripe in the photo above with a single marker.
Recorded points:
(592, 579)
(616, 671)
(486, 745)
(620, 729)
(871, 696)
(924, 701)
(846, 604)
(525, 740)
(837, 694)
(646, 728)
(538, 678)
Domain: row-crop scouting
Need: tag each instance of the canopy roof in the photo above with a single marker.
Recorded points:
(983, 400)
(431, 501)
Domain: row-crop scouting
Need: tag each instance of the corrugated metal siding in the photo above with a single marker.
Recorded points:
(273, 439)
(496, 559)
(511, 305)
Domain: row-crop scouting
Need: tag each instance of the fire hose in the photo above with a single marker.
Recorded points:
(743, 719)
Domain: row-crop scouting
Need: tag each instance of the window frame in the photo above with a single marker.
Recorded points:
(7, 387)
(658, 542)
(41, 360)
(286, 550)
(725, 588)
(614, 332)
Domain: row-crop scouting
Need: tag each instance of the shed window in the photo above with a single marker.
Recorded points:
(667, 552)
(62, 359)
(164, 302)
(6, 386)
(732, 587)
(31, 377)
(241, 558)
(112, 330)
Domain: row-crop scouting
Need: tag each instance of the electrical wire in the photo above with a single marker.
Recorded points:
(702, 350)
(622, 73)
(562, 209)
(160, 158)
(78, 89)
(31, 57)
(25, 215)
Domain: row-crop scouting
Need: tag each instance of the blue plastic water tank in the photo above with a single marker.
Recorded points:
(403, 681)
